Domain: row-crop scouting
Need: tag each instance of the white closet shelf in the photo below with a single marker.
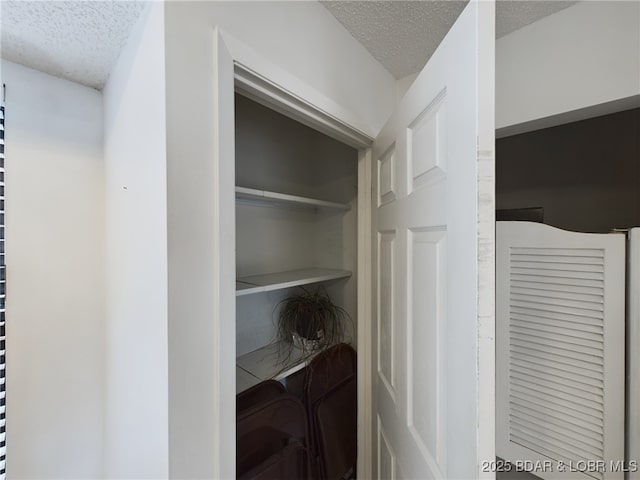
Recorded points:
(265, 363)
(293, 278)
(275, 198)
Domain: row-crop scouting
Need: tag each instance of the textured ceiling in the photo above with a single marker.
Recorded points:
(402, 35)
(76, 40)
(80, 40)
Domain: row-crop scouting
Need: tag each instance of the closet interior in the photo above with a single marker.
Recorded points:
(296, 231)
(296, 227)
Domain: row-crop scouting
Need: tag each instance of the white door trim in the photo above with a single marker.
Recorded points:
(365, 347)
(260, 89)
(633, 354)
(223, 306)
(266, 83)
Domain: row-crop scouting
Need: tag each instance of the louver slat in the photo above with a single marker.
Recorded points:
(559, 345)
(527, 365)
(560, 350)
(594, 304)
(572, 253)
(534, 381)
(555, 404)
(578, 325)
(596, 259)
(558, 274)
(562, 298)
(591, 315)
(550, 450)
(579, 404)
(533, 374)
(557, 364)
(549, 338)
(574, 444)
(560, 424)
(553, 412)
(549, 286)
(569, 282)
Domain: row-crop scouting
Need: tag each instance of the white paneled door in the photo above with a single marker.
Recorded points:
(429, 377)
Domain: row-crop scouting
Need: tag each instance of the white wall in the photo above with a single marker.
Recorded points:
(136, 224)
(403, 84)
(55, 263)
(585, 55)
(303, 39)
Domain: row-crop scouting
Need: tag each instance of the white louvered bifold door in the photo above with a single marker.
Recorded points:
(560, 350)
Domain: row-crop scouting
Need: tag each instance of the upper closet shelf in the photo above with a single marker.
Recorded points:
(275, 198)
(293, 278)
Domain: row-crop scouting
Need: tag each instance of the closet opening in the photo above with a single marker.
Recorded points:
(296, 224)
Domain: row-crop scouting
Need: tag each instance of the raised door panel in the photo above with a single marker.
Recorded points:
(386, 328)
(426, 345)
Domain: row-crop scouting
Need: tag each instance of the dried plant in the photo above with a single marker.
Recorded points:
(310, 322)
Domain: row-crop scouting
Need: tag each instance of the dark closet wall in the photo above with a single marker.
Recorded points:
(586, 175)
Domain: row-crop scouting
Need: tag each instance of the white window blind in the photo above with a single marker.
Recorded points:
(3, 291)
